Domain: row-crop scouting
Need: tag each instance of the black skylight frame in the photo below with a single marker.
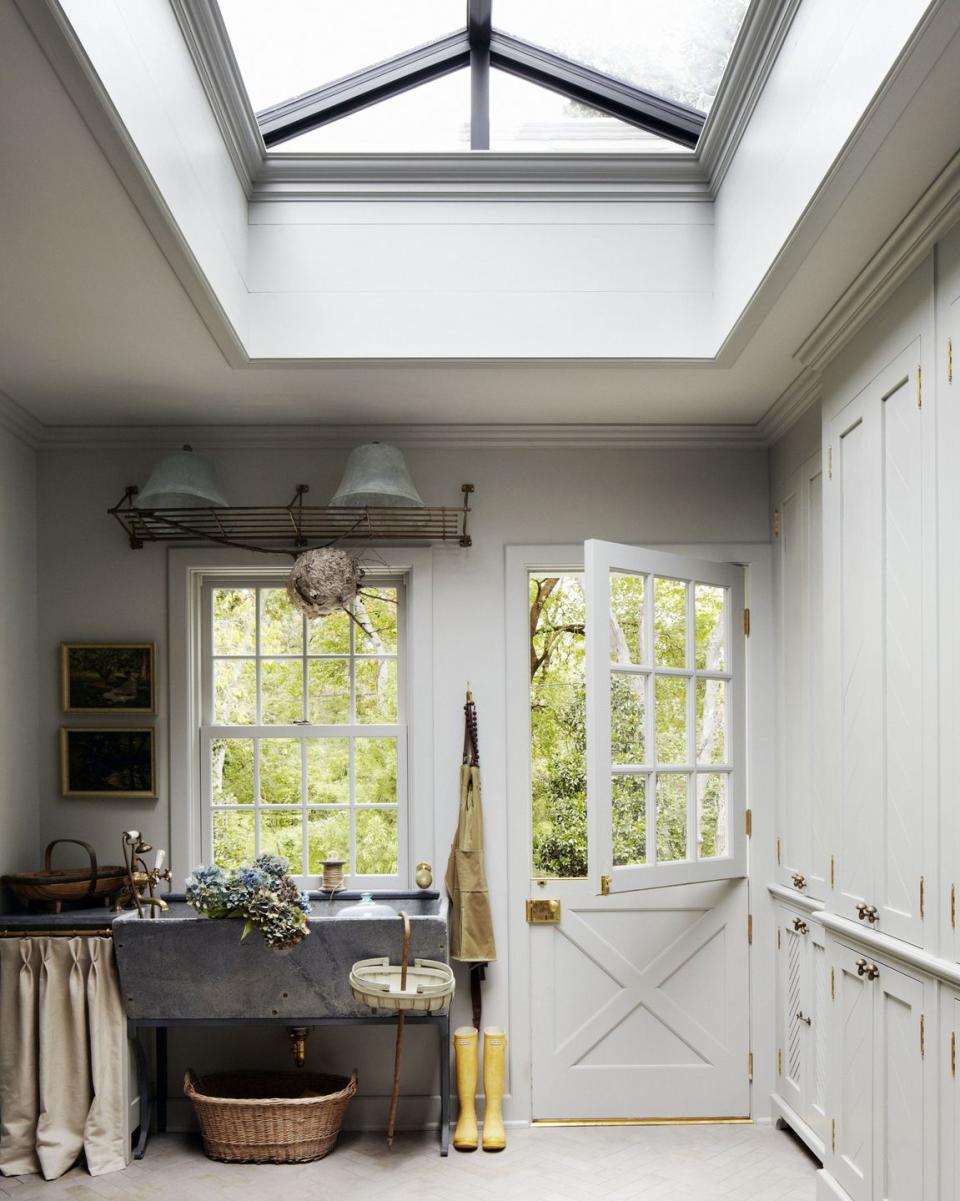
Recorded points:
(481, 47)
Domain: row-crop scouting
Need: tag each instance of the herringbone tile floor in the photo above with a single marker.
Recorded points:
(661, 1163)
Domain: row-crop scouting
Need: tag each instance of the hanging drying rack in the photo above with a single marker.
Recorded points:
(291, 528)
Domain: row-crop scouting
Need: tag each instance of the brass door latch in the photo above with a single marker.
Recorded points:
(543, 913)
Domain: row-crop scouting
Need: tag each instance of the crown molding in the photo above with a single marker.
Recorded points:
(936, 212)
(420, 437)
(790, 406)
(17, 421)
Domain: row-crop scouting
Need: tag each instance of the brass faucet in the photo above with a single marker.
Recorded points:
(142, 881)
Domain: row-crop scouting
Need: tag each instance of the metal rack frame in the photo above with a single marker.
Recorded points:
(292, 528)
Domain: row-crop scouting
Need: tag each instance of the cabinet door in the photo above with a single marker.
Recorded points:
(855, 717)
(852, 1028)
(949, 1095)
(818, 1008)
(792, 961)
(900, 1166)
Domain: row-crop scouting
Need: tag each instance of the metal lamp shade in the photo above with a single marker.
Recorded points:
(181, 480)
(376, 475)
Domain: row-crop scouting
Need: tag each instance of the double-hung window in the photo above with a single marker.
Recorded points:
(302, 738)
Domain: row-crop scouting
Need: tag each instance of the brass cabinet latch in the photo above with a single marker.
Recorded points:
(605, 886)
(543, 913)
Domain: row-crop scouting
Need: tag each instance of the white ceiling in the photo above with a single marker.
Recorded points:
(97, 330)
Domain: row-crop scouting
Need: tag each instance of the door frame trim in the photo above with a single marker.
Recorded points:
(761, 778)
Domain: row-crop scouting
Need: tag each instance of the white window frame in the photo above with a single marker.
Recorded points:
(259, 731)
(187, 570)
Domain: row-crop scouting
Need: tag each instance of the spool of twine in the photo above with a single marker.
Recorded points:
(333, 874)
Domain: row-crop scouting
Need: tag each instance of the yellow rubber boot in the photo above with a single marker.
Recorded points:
(494, 1066)
(465, 1039)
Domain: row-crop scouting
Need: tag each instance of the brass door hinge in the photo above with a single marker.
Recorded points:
(833, 872)
(833, 1134)
(953, 906)
(779, 1063)
(953, 1052)
(833, 984)
(919, 387)
(922, 897)
(775, 523)
(750, 1065)
(750, 929)
(778, 938)
(922, 1037)
(949, 360)
(778, 852)
(829, 462)
(604, 886)
(748, 822)
(746, 622)
(543, 913)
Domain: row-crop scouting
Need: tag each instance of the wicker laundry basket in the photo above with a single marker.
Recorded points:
(269, 1117)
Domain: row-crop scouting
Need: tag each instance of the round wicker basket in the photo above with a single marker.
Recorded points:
(269, 1117)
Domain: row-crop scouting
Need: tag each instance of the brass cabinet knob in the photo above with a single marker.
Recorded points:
(424, 876)
(867, 913)
(870, 970)
(799, 880)
(800, 925)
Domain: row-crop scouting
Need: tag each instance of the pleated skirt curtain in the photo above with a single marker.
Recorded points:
(62, 1032)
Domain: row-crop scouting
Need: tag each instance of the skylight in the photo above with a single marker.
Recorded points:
(517, 75)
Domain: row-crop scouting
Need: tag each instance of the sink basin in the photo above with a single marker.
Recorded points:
(181, 966)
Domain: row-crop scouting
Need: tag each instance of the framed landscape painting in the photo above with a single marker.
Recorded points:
(108, 677)
(120, 762)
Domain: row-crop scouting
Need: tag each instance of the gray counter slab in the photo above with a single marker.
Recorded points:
(94, 918)
(183, 967)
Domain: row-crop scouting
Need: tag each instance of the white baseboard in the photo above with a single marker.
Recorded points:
(828, 1189)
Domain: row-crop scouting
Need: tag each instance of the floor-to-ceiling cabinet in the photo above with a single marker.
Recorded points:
(868, 834)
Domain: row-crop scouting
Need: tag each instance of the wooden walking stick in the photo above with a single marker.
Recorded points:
(395, 1095)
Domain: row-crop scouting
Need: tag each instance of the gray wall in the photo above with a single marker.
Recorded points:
(522, 496)
(18, 656)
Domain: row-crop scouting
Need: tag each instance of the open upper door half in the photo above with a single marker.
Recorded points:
(665, 716)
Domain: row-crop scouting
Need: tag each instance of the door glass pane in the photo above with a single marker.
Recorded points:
(288, 47)
(627, 600)
(231, 771)
(676, 48)
(558, 725)
(329, 635)
(376, 842)
(709, 606)
(281, 625)
(712, 816)
(670, 626)
(671, 710)
(376, 770)
(233, 837)
(328, 833)
(281, 691)
(711, 721)
(627, 717)
(234, 692)
(328, 771)
(671, 816)
(629, 820)
(280, 771)
(234, 621)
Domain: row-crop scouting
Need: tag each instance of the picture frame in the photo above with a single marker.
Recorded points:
(117, 761)
(108, 677)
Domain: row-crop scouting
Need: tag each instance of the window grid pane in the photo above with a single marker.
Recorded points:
(678, 728)
(291, 791)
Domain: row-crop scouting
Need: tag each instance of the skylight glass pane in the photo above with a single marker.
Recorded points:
(528, 119)
(434, 117)
(287, 47)
(676, 48)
